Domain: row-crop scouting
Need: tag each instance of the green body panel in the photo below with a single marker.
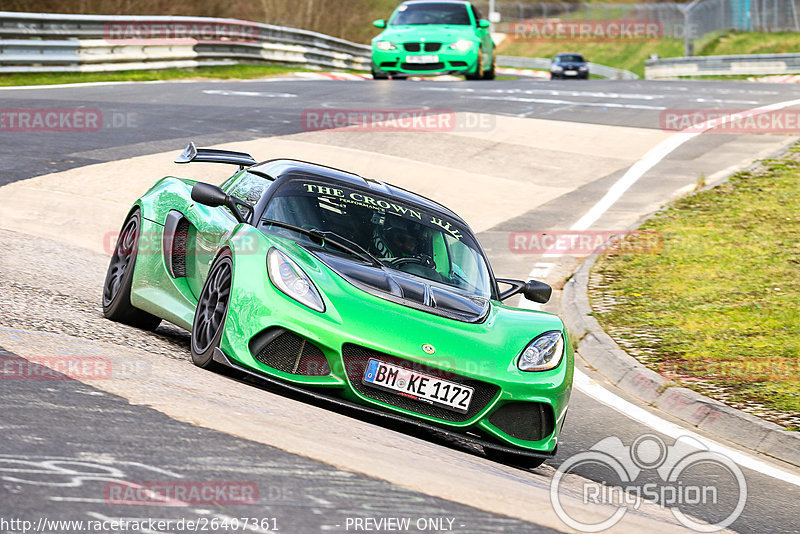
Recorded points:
(485, 351)
(434, 33)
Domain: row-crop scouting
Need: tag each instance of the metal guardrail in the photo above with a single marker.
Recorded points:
(540, 63)
(43, 42)
(756, 64)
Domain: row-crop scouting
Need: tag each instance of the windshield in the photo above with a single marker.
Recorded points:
(431, 13)
(570, 58)
(402, 236)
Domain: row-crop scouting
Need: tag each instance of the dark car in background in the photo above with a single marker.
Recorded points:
(569, 65)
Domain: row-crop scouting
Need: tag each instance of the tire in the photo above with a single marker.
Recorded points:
(377, 74)
(478, 74)
(212, 308)
(507, 458)
(117, 286)
(491, 73)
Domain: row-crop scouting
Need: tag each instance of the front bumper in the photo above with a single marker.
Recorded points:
(448, 61)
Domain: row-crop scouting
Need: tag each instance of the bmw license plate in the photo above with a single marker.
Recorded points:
(571, 72)
(430, 58)
(418, 386)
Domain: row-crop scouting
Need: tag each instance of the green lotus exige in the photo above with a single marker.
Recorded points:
(424, 37)
(346, 289)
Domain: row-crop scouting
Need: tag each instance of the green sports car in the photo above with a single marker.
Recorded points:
(426, 37)
(346, 289)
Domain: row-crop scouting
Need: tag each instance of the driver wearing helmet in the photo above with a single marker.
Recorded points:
(396, 240)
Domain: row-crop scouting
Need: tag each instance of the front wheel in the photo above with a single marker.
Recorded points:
(378, 74)
(478, 74)
(212, 308)
(119, 278)
(491, 73)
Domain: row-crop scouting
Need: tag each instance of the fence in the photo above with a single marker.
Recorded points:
(687, 21)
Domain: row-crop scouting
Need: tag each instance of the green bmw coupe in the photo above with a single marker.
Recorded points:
(425, 37)
(349, 290)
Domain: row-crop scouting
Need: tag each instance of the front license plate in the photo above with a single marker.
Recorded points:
(418, 386)
(571, 73)
(432, 58)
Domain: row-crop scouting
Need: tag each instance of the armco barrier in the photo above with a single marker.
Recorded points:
(756, 64)
(44, 42)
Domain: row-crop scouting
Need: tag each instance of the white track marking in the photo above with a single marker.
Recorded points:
(569, 102)
(598, 392)
(262, 94)
(658, 153)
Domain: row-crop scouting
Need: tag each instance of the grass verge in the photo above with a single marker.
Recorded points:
(718, 309)
(223, 72)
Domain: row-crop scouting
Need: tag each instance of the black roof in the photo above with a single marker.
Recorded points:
(276, 168)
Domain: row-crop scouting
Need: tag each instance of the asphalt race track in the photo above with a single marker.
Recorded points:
(524, 155)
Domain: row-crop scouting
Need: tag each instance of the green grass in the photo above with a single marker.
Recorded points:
(718, 309)
(632, 55)
(243, 71)
(752, 43)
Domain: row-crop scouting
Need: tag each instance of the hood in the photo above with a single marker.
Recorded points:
(426, 33)
(408, 290)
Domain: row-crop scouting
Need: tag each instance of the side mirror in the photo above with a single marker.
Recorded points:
(380, 23)
(537, 291)
(532, 290)
(483, 23)
(214, 197)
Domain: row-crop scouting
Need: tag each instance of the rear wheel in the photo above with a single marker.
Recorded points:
(212, 308)
(119, 277)
(517, 460)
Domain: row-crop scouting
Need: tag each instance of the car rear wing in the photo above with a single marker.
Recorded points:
(209, 155)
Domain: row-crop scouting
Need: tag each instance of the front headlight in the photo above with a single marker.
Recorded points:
(583, 67)
(287, 276)
(385, 45)
(543, 353)
(556, 68)
(462, 45)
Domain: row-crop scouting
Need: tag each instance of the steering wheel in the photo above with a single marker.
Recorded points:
(423, 259)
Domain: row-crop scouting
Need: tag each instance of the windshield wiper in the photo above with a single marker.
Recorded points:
(333, 238)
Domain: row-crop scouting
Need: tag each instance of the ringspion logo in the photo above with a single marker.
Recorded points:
(677, 477)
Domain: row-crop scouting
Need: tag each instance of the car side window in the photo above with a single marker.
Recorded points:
(250, 188)
(477, 15)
